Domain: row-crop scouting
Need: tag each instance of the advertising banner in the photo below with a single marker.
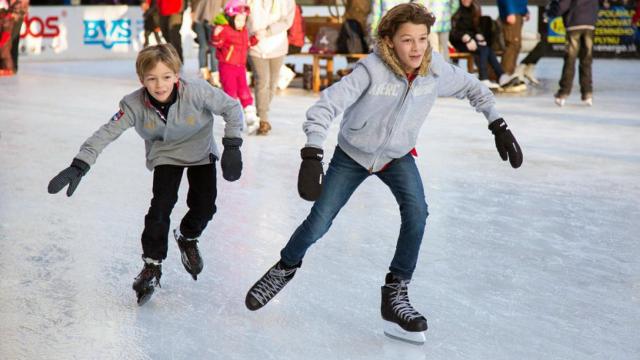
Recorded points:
(616, 33)
(87, 32)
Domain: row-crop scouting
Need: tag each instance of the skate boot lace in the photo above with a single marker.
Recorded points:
(273, 282)
(400, 302)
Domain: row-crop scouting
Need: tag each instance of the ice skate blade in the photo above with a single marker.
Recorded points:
(395, 332)
(144, 297)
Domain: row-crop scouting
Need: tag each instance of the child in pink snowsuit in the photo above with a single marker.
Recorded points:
(232, 43)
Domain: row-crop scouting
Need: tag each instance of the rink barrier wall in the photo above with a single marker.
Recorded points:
(88, 33)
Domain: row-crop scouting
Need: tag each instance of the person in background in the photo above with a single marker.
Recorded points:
(295, 34)
(151, 21)
(175, 118)
(466, 37)
(20, 8)
(512, 13)
(171, 12)
(232, 43)
(526, 68)
(202, 14)
(358, 10)
(579, 17)
(269, 22)
(439, 35)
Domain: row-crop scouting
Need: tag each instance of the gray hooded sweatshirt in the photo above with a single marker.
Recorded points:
(383, 112)
(184, 138)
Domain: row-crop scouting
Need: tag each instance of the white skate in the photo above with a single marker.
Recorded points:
(252, 119)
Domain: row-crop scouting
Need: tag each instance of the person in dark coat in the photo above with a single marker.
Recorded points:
(579, 17)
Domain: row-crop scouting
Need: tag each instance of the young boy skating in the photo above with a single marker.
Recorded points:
(175, 118)
(384, 102)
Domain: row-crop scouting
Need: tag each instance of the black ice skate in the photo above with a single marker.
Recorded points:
(401, 320)
(269, 285)
(147, 280)
(189, 253)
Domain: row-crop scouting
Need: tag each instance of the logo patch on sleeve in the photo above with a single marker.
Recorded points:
(118, 115)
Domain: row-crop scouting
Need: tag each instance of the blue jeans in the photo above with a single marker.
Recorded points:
(484, 57)
(204, 35)
(343, 177)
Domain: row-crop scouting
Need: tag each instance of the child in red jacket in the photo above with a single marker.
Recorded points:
(232, 43)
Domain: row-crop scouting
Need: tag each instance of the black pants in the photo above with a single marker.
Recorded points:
(539, 51)
(201, 200)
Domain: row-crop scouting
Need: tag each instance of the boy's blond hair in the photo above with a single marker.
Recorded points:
(150, 56)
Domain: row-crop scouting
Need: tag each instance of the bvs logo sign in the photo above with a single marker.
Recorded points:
(107, 33)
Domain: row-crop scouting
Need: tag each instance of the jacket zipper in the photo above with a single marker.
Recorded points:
(395, 119)
(229, 53)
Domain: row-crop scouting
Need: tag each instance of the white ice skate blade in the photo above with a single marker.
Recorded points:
(394, 331)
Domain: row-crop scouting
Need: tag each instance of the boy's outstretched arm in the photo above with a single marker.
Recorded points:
(90, 150)
(454, 81)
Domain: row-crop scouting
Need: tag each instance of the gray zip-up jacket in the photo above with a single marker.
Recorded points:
(184, 138)
(383, 113)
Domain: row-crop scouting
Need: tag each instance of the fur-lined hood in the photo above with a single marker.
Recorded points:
(390, 58)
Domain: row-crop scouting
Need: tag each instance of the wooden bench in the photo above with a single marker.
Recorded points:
(469, 58)
(324, 62)
(464, 56)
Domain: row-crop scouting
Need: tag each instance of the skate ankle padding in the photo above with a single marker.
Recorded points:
(150, 261)
(285, 266)
(392, 278)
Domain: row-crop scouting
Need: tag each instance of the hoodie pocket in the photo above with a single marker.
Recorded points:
(363, 135)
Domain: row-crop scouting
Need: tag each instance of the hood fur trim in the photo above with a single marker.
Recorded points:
(390, 58)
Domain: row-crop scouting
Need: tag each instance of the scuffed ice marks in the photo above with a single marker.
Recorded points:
(47, 296)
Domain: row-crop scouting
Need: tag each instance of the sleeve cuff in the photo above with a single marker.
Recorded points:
(315, 140)
(492, 114)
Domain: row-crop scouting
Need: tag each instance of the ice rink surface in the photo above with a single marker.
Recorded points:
(542, 262)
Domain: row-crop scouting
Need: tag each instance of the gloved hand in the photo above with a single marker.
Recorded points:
(481, 40)
(311, 174)
(469, 42)
(70, 176)
(231, 162)
(506, 143)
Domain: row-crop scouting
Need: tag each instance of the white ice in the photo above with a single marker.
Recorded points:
(542, 262)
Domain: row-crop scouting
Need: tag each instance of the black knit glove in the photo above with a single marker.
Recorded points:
(310, 175)
(231, 162)
(70, 176)
(505, 143)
